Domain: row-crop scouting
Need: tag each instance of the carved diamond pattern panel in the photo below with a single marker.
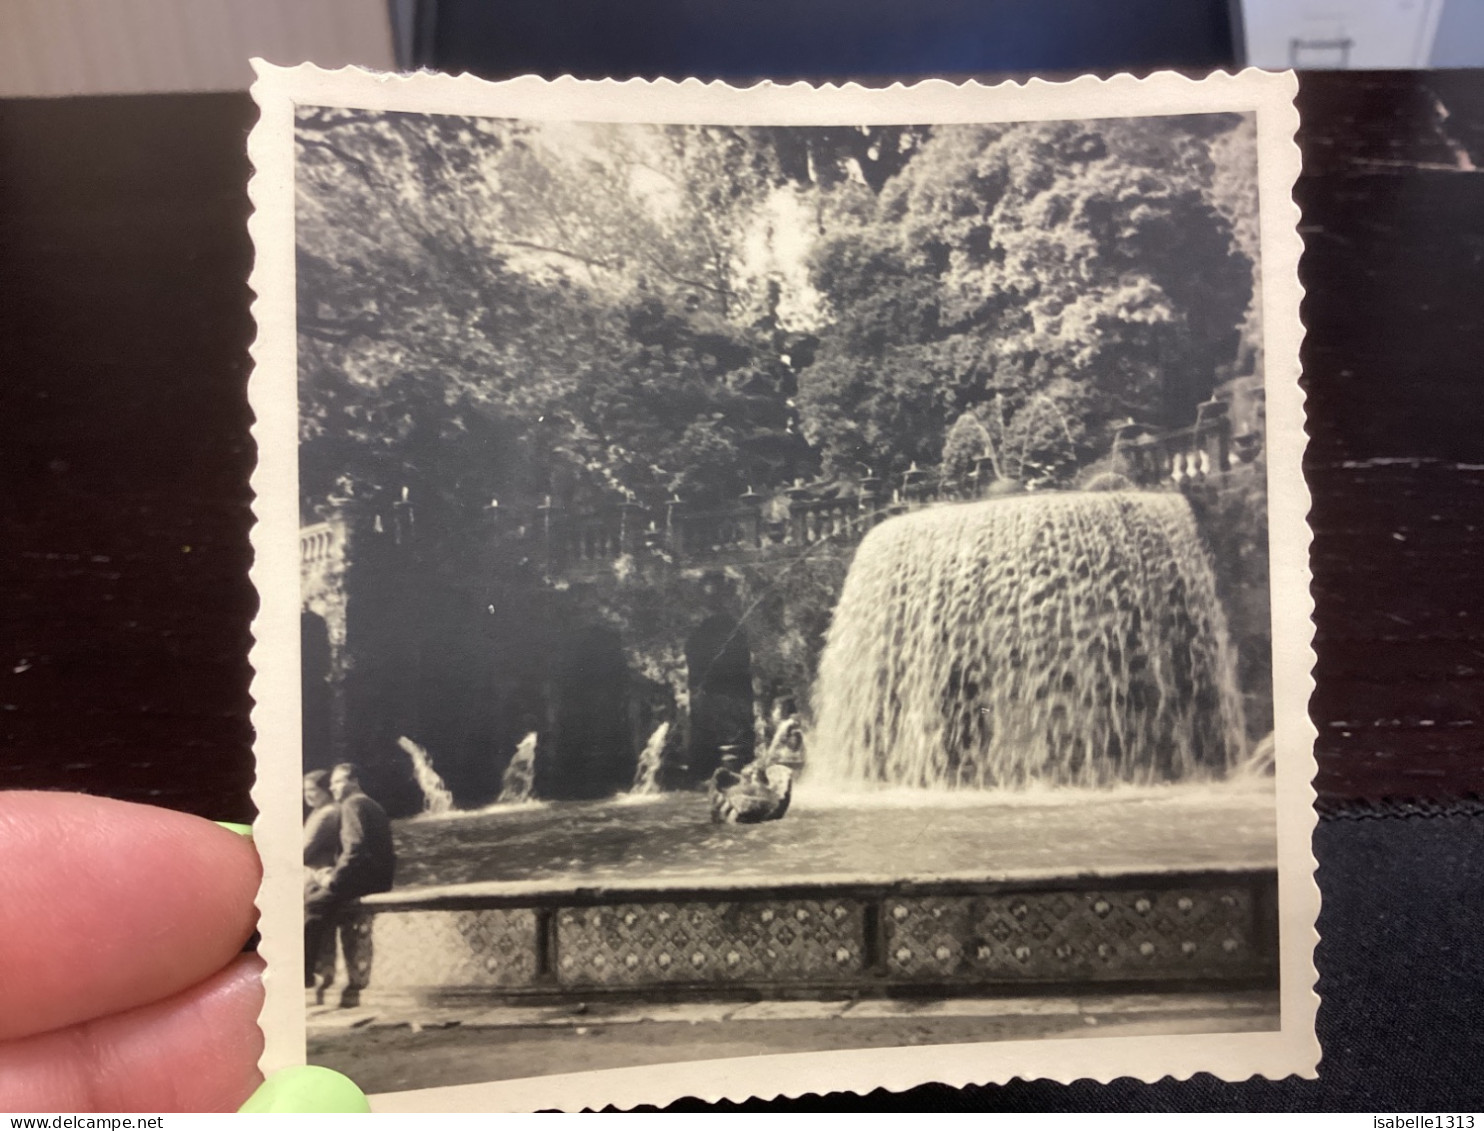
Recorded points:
(454, 949)
(1074, 935)
(638, 943)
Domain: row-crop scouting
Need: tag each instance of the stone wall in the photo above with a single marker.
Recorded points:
(1158, 930)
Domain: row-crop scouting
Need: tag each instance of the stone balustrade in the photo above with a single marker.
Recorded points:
(1156, 930)
(696, 534)
(1181, 456)
(317, 544)
(591, 541)
(577, 542)
(814, 520)
(597, 538)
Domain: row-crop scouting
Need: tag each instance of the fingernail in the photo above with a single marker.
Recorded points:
(306, 1088)
(234, 827)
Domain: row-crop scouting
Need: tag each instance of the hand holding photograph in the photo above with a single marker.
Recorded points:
(780, 590)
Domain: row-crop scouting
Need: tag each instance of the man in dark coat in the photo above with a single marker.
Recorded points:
(367, 860)
(365, 864)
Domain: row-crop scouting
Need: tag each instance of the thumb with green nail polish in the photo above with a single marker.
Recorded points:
(306, 1088)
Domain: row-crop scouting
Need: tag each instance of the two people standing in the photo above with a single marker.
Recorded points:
(348, 853)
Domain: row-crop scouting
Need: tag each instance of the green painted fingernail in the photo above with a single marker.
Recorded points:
(234, 827)
(306, 1088)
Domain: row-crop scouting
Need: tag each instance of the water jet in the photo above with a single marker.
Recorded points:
(520, 776)
(1062, 639)
(647, 773)
(436, 796)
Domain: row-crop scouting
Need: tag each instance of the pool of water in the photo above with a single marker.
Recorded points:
(888, 836)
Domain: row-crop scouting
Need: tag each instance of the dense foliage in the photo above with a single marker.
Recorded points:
(495, 316)
(501, 310)
(1054, 278)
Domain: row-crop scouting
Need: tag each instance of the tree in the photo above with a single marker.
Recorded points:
(967, 441)
(1078, 273)
(1234, 192)
(483, 316)
(825, 157)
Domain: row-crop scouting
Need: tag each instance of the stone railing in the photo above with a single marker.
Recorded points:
(1180, 456)
(1157, 930)
(317, 544)
(816, 520)
(695, 534)
(578, 542)
(575, 542)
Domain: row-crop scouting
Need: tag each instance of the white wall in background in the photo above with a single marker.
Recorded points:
(60, 47)
(1332, 34)
(1460, 39)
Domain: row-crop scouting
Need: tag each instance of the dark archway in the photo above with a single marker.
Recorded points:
(317, 718)
(719, 672)
(587, 749)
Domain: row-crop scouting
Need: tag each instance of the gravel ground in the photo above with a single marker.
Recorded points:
(385, 1052)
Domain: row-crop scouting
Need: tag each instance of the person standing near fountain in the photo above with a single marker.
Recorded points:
(321, 847)
(365, 863)
(321, 827)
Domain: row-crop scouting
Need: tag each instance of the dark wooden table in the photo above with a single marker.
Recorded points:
(125, 508)
(124, 330)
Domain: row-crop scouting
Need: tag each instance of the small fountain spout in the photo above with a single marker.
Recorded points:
(436, 796)
(647, 773)
(519, 781)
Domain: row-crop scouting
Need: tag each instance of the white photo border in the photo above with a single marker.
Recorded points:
(1292, 1049)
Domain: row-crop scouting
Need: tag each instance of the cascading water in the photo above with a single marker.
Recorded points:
(436, 797)
(647, 773)
(520, 775)
(1058, 639)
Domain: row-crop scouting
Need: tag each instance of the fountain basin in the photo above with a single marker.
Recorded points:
(1171, 888)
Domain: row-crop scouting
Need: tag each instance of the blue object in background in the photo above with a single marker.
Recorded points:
(1460, 39)
(819, 39)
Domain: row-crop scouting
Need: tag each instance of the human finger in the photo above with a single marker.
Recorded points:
(107, 905)
(195, 1051)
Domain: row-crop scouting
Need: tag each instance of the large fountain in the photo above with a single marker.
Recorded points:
(1026, 715)
(1067, 640)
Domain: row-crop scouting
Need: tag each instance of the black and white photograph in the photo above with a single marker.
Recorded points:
(774, 587)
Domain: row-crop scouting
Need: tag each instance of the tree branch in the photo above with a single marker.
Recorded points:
(368, 174)
(338, 332)
(531, 245)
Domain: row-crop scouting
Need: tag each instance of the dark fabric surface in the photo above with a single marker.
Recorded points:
(125, 507)
(367, 861)
(125, 514)
(823, 39)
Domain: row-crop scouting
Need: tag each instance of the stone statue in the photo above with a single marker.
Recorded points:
(757, 794)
